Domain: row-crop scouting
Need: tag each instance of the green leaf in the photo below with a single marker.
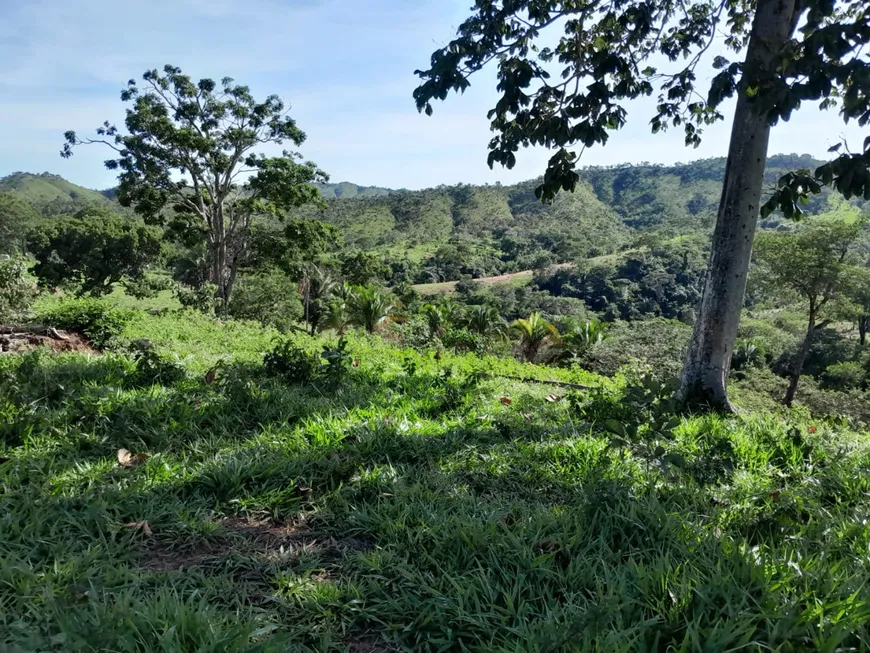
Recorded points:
(675, 459)
(615, 427)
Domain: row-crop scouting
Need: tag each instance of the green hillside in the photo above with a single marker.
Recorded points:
(491, 229)
(682, 197)
(50, 194)
(347, 190)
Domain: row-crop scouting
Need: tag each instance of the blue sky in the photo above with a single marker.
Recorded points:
(345, 67)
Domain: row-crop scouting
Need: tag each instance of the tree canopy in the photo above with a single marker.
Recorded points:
(191, 156)
(92, 253)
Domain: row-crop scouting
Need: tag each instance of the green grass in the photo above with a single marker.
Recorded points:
(408, 510)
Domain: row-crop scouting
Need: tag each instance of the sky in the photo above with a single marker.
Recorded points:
(345, 67)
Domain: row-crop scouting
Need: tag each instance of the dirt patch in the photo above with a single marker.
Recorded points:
(58, 341)
(242, 535)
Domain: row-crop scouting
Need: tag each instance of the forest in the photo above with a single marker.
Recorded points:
(248, 408)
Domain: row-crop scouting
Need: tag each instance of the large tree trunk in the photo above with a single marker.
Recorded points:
(708, 359)
(863, 324)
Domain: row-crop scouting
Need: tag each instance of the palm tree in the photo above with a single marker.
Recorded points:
(437, 317)
(534, 333)
(578, 336)
(340, 310)
(371, 306)
(485, 320)
(316, 287)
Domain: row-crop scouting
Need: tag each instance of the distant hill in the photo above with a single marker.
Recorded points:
(682, 197)
(494, 229)
(347, 190)
(50, 194)
(490, 225)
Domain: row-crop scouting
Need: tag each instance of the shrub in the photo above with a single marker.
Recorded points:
(16, 293)
(535, 332)
(295, 364)
(659, 342)
(270, 298)
(92, 318)
(152, 368)
(767, 337)
(370, 307)
(290, 361)
(843, 376)
(747, 353)
(201, 298)
(578, 337)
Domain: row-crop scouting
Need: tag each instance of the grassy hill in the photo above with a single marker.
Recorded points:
(347, 190)
(683, 197)
(50, 194)
(414, 504)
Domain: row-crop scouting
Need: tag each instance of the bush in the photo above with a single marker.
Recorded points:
(152, 368)
(270, 298)
(659, 342)
(295, 364)
(772, 340)
(747, 353)
(843, 376)
(200, 298)
(16, 293)
(94, 319)
(290, 361)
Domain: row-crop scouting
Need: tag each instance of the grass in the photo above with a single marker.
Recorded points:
(408, 509)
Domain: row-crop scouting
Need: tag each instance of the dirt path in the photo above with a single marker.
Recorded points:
(516, 278)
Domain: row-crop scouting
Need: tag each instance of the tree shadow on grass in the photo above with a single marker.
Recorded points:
(434, 536)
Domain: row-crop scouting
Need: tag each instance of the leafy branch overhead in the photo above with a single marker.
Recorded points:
(573, 94)
(191, 150)
(849, 174)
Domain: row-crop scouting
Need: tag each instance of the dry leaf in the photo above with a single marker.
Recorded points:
(529, 416)
(811, 429)
(505, 401)
(210, 376)
(553, 398)
(355, 363)
(127, 459)
(143, 526)
(775, 495)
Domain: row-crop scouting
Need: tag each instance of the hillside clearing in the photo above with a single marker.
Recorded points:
(413, 507)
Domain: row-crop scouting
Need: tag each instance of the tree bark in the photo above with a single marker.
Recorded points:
(863, 324)
(708, 360)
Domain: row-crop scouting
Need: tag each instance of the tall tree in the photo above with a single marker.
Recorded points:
(16, 217)
(194, 148)
(812, 263)
(572, 94)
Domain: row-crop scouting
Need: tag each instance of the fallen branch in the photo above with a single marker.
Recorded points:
(31, 329)
(561, 384)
